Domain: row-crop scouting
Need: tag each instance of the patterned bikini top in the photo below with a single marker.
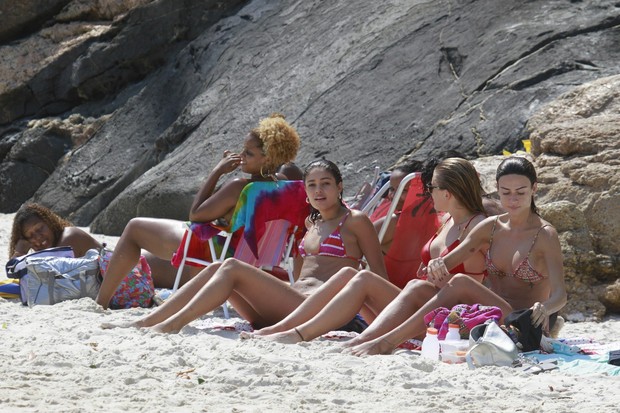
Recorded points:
(332, 246)
(524, 272)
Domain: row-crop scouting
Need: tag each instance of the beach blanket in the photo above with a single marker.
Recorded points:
(591, 357)
(267, 201)
(9, 288)
(258, 203)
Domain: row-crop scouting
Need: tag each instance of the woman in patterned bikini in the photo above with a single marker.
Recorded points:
(337, 238)
(523, 260)
(461, 198)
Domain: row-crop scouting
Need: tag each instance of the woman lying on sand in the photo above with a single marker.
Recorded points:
(336, 238)
(460, 197)
(273, 143)
(37, 227)
(523, 260)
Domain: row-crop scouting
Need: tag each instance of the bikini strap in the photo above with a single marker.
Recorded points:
(493, 232)
(443, 224)
(535, 238)
(469, 222)
(344, 217)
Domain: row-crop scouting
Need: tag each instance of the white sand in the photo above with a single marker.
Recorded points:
(56, 358)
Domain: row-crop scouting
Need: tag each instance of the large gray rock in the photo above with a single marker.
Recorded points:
(364, 83)
(20, 17)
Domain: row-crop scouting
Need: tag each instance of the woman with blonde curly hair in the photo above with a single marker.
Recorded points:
(268, 146)
(37, 227)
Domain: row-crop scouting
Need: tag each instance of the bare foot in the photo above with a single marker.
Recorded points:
(246, 335)
(353, 342)
(376, 346)
(265, 331)
(286, 337)
(163, 328)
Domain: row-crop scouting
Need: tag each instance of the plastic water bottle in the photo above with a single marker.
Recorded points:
(430, 345)
(453, 332)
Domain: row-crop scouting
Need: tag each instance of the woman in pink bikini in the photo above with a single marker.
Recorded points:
(352, 291)
(523, 261)
(336, 238)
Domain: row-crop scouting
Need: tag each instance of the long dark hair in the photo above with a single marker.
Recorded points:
(518, 165)
(330, 167)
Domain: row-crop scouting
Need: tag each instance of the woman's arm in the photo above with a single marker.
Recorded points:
(22, 247)
(77, 239)
(552, 253)
(210, 204)
(476, 240)
(368, 241)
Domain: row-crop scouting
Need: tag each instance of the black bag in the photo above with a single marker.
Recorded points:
(528, 336)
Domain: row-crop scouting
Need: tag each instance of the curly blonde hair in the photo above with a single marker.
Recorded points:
(55, 223)
(279, 141)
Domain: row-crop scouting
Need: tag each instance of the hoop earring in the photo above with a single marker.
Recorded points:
(307, 200)
(262, 174)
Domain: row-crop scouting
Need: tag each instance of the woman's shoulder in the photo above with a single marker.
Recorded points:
(78, 239)
(547, 230)
(357, 216)
(235, 184)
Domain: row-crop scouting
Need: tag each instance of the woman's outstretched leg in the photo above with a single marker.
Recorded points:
(415, 294)
(161, 237)
(461, 289)
(312, 304)
(173, 304)
(259, 297)
(366, 289)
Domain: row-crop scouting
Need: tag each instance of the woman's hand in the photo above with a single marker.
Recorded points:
(21, 248)
(540, 315)
(230, 161)
(436, 271)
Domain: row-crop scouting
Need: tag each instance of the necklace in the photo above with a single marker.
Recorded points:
(458, 225)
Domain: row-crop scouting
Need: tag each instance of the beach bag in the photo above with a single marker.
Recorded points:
(50, 280)
(527, 336)
(16, 267)
(137, 288)
(465, 315)
(489, 345)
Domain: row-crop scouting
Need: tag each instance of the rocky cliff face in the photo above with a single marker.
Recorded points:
(111, 109)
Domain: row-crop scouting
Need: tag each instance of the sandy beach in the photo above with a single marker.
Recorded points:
(57, 358)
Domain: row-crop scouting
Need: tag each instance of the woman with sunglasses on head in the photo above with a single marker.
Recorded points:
(268, 146)
(336, 238)
(456, 190)
(523, 259)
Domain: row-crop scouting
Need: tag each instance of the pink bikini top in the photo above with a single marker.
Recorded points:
(524, 272)
(426, 250)
(332, 246)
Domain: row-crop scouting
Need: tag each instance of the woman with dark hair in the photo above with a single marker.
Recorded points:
(336, 238)
(37, 227)
(455, 189)
(268, 146)
(523, 260)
